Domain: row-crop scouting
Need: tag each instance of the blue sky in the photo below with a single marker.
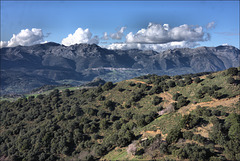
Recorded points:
(56, 20)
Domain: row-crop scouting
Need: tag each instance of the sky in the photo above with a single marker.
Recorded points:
(146, 25)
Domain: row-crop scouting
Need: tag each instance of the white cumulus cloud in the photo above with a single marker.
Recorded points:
(24, 38)
(160, 34)
(162, 37)
(119, 34)
(80, 36)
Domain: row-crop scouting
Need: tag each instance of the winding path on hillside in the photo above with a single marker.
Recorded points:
(136, 81)
(215, 102)
(167, 97)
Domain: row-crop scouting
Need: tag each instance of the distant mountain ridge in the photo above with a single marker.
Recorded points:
(26, 67)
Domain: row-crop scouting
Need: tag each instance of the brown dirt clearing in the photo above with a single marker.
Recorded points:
(224, 102)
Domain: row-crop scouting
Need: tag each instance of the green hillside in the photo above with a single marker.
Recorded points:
(193, 117)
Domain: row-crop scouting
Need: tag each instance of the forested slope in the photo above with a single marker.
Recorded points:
(148, 117)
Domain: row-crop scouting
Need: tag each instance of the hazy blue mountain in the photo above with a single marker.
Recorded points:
(26, 67)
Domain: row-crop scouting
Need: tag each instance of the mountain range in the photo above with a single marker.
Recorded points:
(24, 68)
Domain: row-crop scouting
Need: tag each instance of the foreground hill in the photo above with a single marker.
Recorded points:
(194, 117)
(24, 68)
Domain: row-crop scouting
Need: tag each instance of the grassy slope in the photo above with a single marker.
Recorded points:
(166, 122)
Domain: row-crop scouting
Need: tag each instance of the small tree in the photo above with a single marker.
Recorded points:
(171, 84)
(132, 84)
(107, 86)
(110, 105)
(217, 95)
(104, 124)
(181, 83)
(197, 80)
(231, 80)
(188, 80)
(156, 100)
(232, 71)
(174, 135)
(176, 95)
(234, 132)
(182, 101)
(67, 92)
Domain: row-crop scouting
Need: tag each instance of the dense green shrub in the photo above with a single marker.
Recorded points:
(217, 95)
(189, 121)
(109, 105)
(232, 119)
(107, 86)
(177, 77)
(188, 80)
(155, 90)
(199, 138)
(231, 80)
(234, 132)
(181, 83)
(101, 98)
(171, 84)
(174, 135)
(188, 135)
(131, 84)
(182, 101)
(137, 96)
(193, 152)
(176, 95)
(156, 100)
(215, 87)
(232, 71)
(121, 89)
(197, 80)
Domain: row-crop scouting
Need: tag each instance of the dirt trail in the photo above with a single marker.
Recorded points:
(146, 134)
(136, 81)
(204, 130)
(167, 97)
(224, 102)
(186, 110)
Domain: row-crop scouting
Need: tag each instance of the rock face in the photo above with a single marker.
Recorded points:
(33, 66)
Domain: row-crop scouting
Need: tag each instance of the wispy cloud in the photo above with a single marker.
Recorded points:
(211, 25)
(228, 33)
(105, 36)
(119, 34)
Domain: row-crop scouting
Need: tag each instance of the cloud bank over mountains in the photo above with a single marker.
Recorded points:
(155, 37)
(155, 47)
(161, 37)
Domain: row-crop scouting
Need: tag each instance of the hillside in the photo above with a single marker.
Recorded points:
(192, 117)
(24, 68)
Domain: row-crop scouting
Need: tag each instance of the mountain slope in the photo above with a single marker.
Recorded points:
(83, 62)
(194, 117)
